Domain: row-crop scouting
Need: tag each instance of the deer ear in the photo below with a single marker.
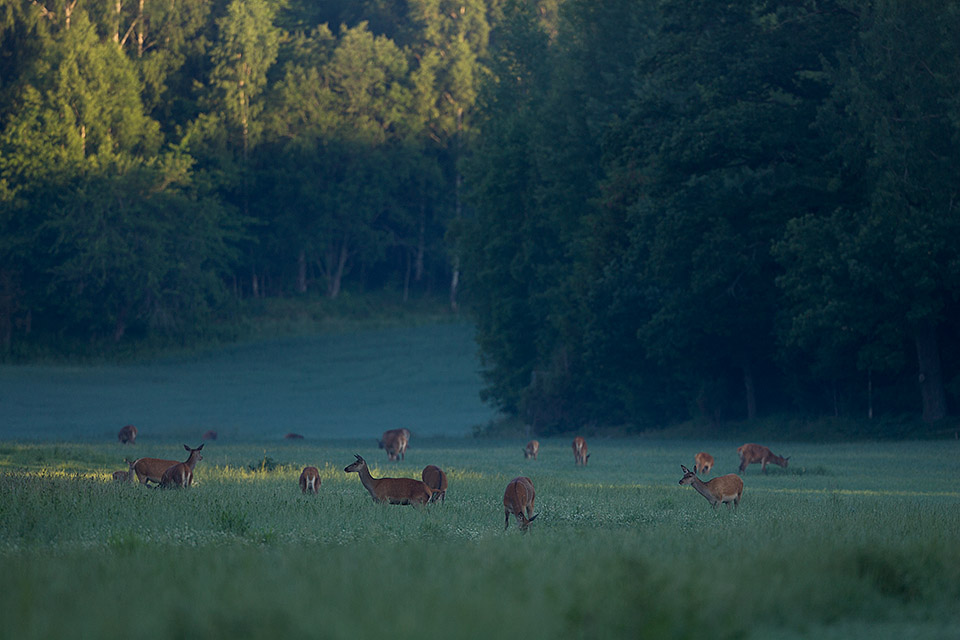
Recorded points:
(200, 447)
(186, 447)
(685, 470)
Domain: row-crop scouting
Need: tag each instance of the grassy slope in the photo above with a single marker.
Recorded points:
(850, 541)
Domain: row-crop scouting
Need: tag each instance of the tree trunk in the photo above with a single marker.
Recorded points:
(930, 377)
(302, 272)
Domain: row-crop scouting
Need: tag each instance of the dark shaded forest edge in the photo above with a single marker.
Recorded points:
(731, 217)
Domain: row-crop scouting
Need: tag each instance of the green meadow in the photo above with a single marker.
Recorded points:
(850, 541)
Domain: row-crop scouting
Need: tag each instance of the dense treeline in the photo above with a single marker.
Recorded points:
(657, 208)
(694, 208)
(159, 159)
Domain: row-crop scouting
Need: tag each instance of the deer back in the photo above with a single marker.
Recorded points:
(152, 468)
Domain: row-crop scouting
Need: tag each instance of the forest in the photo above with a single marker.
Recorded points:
(654, 210)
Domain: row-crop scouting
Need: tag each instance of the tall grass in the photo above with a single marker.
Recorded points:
(849, 541)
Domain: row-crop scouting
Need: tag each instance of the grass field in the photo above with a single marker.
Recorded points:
(851, 541)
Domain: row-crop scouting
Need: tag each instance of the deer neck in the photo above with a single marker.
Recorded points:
(369, 482)
(702, 489)
(191, 461)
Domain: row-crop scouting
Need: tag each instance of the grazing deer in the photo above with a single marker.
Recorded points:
(434, 477)
(293, 436)
(209, 435)
(726, 488)
(125, 476)
(580, 454)
(310, 480)
(518, 500)
(751, 453)
(128, 435)
(180, 475)
(531, 450)
(395, 442)
(391, 490)
(703, 463)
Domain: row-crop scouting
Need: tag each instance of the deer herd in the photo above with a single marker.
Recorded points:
(518, 498)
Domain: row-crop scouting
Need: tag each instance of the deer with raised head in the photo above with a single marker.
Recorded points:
(180, 475)
(390, 490)
(310, 480)
(395, 442)
(125, 476)
(128, 435)
(434, 477)
(725, 489)
(531, 450)
(752, 453)
(580, 454)
(703, 463)
(518, 500)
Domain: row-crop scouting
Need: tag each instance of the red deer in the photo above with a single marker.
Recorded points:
(395, 442)
(531, 450)
(724, 489)
(310, 480)
(128, 435)
(209, 435)
(180, 475)
(751, 453)
(125, 476)
(580, 454)
(518, 500)
(391, 490)
(434, 477)
(703, 463)
(293, 436)
(152, 469)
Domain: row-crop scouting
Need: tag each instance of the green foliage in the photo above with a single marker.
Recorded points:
(618, 549)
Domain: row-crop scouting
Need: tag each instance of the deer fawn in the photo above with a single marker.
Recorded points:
(395, 442)
(531, 450)
(580, 454)
(310, 480)
(703, 463)
(391, 490)
(128, 435)
(518, 500)
(725, 489)
(180, 475)
(125, 476)
(434, 477)
(751, 453)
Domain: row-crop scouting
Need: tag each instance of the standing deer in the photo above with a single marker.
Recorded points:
(726, 488)
(152, 469)
(531, 450)
(434, 477)
(703, 463)
(128, 435)
(395, 442)
(518, 500)
(390, 490)
(180, 475)
(580, 454)
(125, 476)
(751, 453)
(310, 480)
